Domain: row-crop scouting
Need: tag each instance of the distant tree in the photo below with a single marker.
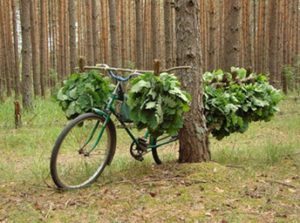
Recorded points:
(154, 29)
(138, 33)
(232, 30)
(26, 55)
(43, 46)
(72, 37)
(212, 32)
(89, 33)
(4, 22)
(168, 32)
(35, 48)
(113, 33)
(95, 29)
(273, 27)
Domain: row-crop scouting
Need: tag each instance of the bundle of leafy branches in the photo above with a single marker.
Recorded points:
(82, 92)
(233, 100)
(157, 103)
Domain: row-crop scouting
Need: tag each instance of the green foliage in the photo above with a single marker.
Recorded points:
(82, 92)
(158, 103)
(233, 100)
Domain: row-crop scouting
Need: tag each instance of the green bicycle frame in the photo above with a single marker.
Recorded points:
(109, 110)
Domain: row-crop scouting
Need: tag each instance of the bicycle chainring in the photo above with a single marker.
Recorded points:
(138, 150)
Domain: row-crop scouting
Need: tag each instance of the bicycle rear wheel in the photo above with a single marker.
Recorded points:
(166, 152)
(77, 159)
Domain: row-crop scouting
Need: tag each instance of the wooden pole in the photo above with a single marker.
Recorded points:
(156, 66)
(18, 120)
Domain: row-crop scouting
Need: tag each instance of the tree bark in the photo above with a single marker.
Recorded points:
(2, 64)
(35, 49)
(26, 55)
(168, 32)
(113, 33)
(273, 41)
(43, 47)
(212, 35)
(89, 33)
(72, 37)
(138, 33)
(95, 29)
(154, 31)
(5, 34)
(193, 136)
(232, 34)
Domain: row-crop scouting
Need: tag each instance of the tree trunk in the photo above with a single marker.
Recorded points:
(66, 39)
(72, 37)
(232, 34)
(212, 35)
(4, 23)
(154, 31)
(193, 136)
(35, 49)
(168, 32)
(2, 64)
(273, 41)
(138, 33)
(113, 33)
(95, 29)
(16, 50)
(26, 54)
(89, 34)
(43, 46)
(123, 31)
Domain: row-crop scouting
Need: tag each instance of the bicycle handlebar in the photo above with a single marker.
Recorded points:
(133, 72)
(113, 75)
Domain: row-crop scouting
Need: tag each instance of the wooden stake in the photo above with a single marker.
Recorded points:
(18, 120)
(81, 64)
(156, 67)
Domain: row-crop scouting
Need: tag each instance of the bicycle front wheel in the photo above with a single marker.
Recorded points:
(82, 150)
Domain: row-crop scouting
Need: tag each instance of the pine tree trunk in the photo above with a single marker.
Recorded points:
(154, 31)
(10, 45)
(2, 65)
(95, 28)
(4, 23)
(273, 41)
(26, 55)
(89, 34)
(66, 39)
(43, 46)
(16, 50)
(123, 32)
(212, 35)
(72, 37)
(193, 136)
(138, 33)
(232, 34)
(113, 33)
(168, 32)
(35, 49)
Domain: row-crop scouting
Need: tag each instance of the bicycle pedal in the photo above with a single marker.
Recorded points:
(143, 144)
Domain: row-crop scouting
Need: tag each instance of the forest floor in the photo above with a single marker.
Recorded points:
(254, 177)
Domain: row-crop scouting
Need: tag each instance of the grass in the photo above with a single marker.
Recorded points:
(254, 177)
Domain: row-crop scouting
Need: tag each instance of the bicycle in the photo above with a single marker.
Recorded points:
(87, 144)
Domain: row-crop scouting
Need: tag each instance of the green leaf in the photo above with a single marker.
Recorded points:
(61, 96)
(140, 85)
(150, 105)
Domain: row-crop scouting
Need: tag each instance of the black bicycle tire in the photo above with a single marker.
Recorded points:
(154, 152)
(61, 137)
